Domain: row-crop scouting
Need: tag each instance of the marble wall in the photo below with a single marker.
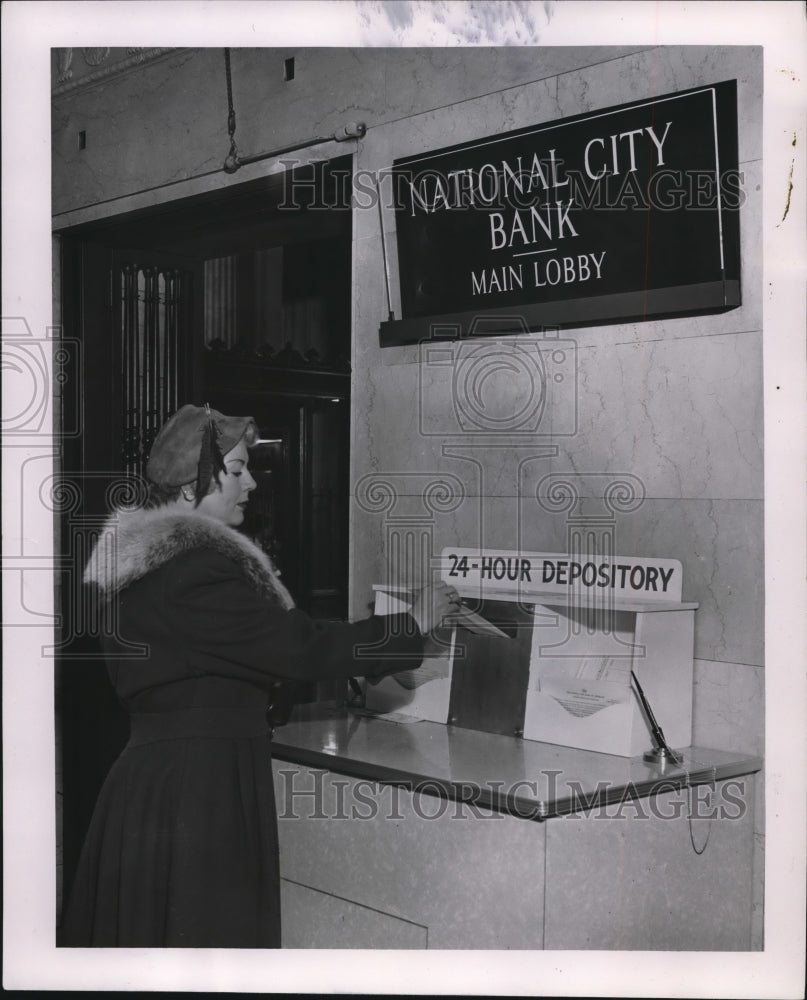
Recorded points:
(675, 404)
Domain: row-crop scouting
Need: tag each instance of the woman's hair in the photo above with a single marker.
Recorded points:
(161, 496)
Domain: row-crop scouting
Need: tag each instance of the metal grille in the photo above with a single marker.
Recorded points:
(150, 356)
(221, 306)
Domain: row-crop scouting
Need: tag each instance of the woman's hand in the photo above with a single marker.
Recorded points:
(432, 604)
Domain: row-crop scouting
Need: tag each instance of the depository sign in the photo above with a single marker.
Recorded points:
(622, 214)
(490, 572)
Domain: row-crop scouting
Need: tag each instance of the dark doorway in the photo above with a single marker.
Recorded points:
(240, 298)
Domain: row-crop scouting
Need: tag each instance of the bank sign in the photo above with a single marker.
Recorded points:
(623, 214)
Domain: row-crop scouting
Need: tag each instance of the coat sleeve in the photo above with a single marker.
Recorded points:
(228, 628)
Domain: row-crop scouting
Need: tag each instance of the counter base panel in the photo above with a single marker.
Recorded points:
(368, 865)
(316, 919)
(472, 877)
(639, 883)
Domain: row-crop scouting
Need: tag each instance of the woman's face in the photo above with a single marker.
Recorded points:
(227, 500)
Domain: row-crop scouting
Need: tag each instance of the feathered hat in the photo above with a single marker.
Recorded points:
(191, 445)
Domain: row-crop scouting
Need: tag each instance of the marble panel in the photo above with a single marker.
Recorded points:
(379, 85)
(443, 76)
(758, 867)
(648, 887)
(472, 877)
(331, 86)
(729, 714)
(368, 560)
(720, 546)
(387, 425)
(143, 130)
(313, 919)
(684, 416)
(719, 543)
(667, 69)
(475, 399)
(729, 706)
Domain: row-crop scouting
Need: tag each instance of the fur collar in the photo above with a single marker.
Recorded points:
(133, 543)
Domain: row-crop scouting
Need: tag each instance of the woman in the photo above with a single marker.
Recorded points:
(182, 848)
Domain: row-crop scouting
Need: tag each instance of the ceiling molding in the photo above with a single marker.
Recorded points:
(63, 74)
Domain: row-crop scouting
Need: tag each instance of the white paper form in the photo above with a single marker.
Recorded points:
(423, 693)
(582, 670)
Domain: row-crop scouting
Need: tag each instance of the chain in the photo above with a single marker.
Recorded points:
(686, 766)
(231, 162)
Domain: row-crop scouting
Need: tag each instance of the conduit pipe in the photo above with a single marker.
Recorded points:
(352, 130)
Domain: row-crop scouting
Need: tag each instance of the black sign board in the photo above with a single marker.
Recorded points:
(622, 214)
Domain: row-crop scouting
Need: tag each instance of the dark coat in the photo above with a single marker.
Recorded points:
(182, 848)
